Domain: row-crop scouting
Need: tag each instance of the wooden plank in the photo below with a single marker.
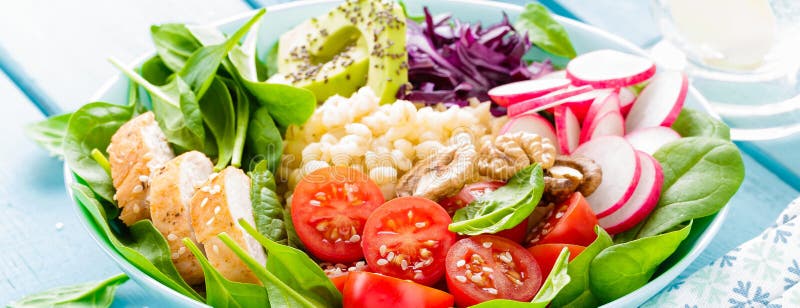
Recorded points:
(62, 46)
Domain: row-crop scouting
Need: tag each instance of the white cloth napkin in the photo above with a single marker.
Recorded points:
(763, 272)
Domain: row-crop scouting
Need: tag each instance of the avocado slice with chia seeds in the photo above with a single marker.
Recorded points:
(359, 43)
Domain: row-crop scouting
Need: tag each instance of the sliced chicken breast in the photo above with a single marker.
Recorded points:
(171, 190)
(217, 207)
(137, 150)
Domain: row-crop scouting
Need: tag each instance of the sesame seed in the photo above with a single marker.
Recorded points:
(421, 224)
(172, 237)
(215, 249)
(477, 278)
(114, 197)
(355, 238)
(175, 255)
(491, 291)
(425, 253)
(217, 209)
(210, 221)
(136, 209)
(383, 250)
(428, 262)
(487, 269)
(315, 202)
(418, 276)
(461, 263)
(361, 264)
(213, 176)
(431, 243)
(205, 189)
(390, 256)
(138, 188)
(559, 214)
(487, 244)
(203, 203)
(404, 264)
(181, 250)
(320, 195)
(382, 262)
(144, 178)
(505, 257)
(545, 231)
(461, 278)
(547, 225)
(322, 226)
(410, 214)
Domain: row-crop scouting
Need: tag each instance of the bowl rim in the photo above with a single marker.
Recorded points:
(633, 298)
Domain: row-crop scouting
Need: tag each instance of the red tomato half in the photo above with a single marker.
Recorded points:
(408, 238)
(339, 281)
(468, 194)
(486, 267)
(571, 222)
(329, 209)
(365, 289)
(546, 255)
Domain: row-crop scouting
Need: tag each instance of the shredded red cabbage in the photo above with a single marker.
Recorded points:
(450, 62)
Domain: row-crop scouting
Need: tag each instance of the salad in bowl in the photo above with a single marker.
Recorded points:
(368, 156)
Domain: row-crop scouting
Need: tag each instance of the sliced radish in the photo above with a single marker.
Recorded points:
(626, 99)
(650, 139)
(642, 202)
(621, 170)
(660, 102)
(532, 123)
(580, 103)
(516, 92)
(568, 129)
(547, 101)
(601, 106)
(609, 124)
(555, 75)
(609, 69)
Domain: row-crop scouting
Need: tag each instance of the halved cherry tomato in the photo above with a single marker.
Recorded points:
(408, 238)
(571, 222)
(339, 281)
(329, 209)
(486, 267)
(516, 234)
(546, 255)
(364, 289)
(467, 195)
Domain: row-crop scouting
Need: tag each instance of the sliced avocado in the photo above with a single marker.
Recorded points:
(358, 43)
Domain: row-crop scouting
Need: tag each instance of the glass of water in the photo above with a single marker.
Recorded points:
(743, 55)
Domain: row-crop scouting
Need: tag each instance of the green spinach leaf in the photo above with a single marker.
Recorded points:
(147, 249)
(280, 294)
(90, 294)
(297, 270)
(49, 133)
(544, 31)
(623, 268)
(693, 123)
(91, 127)
(221, 292)
(242, 100)
(155, 71)
(267, 209)
(174, 44)
(270, 66)
(700, 175)
(286, 104)
(218, 114)
(577, 293)
(503, 208)
(264, 141)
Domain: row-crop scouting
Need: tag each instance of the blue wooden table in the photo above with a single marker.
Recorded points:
(52, 56)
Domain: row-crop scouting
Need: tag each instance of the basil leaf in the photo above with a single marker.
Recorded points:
(286, 104)
(217, 110)
(623, 268)
(503, 208)
(577, 293)
(297, 270)
(221, 292)
(155, 71)
(49, 133)
(147, 249)
(91, 127)
(280, 294)
(291, 233)
(267, 209)
(544, 31)
(90, 294)
(700, 175)
(174, 44)
(264, 141)
(693, 123)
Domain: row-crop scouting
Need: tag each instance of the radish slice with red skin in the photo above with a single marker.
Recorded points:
(581, 103)
(626, 100)
(650, 139)
(621, 169)
(546, 101)
(609, 69)
(643, 200)
(609, 124)
(532, 123)
(660, 102)
(568, 129)
(516, 92)
(601, 106)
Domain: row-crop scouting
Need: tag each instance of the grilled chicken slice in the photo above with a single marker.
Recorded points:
(137, 150)
(216, 207)
(171, 190)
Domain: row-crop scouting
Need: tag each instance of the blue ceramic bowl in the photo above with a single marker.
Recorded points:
(281, 18)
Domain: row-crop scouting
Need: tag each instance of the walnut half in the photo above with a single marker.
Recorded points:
(507, 154)
(443, 173)
(570, 174)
